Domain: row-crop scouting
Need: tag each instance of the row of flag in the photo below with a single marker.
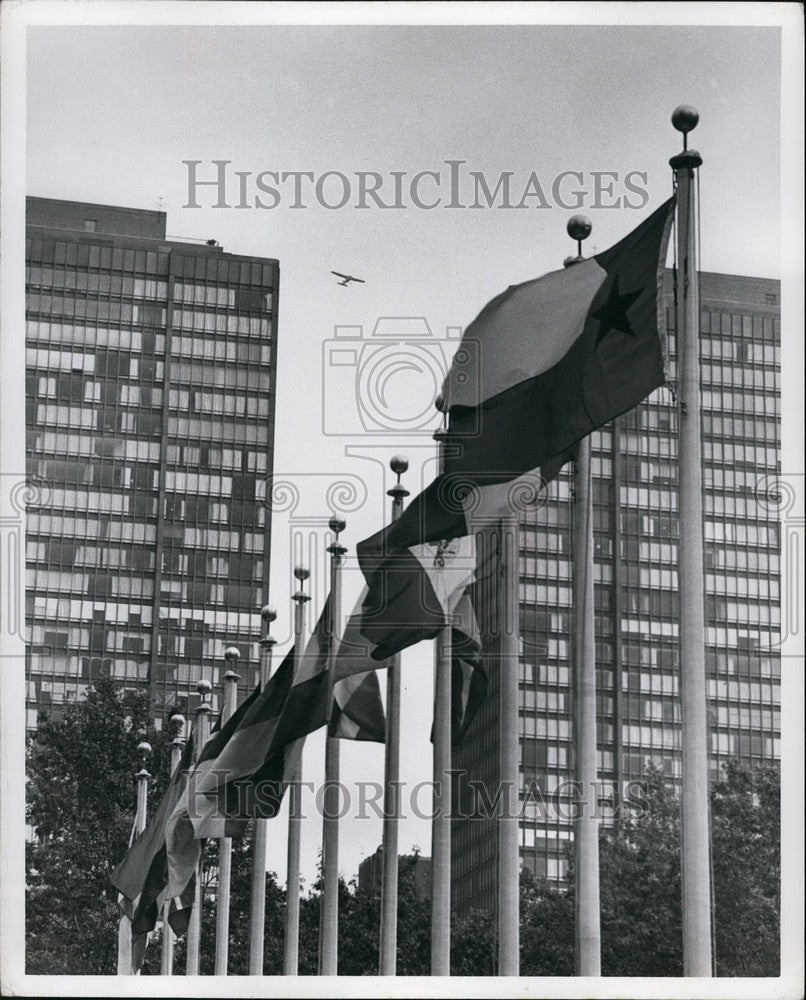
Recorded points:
(543, 365)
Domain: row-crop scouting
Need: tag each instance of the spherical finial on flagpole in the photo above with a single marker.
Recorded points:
(685, 119)
(232, 654)
(398, 465)
(204, 688)
(337, 525)
(578, 228)
(177, 721)
(439, 403)
(301, 572)
(268, 613)
(144, 748)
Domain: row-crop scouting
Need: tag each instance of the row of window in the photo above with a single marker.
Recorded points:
(62, 609)
(115, 585)
(78, 527)
(229, 377)
(740, 325)
(742, 534)
(96, 309)
(746, 745)
(545, 594)
(88, 336)
(218, 403)
(723, 401)
(755, 428)
(94, 255)
(746, 717)
(220, 350)
(214, 538)
(201, 266)
(747, 378)
(743, 691)
(93, 281)
(544, 673)
(219, 458)
(217, 430)
(60, 443)
(210, 322)
(728, 478)
(750, 351)
(743, 586)
(52, 608)
(89, 555)
(78, 637)
(223, 297)
(655, 737)
(71, 361)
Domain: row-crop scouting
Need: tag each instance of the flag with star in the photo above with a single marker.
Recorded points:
(548, 361)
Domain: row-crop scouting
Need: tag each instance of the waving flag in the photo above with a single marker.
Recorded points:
(547, 362)
(544, 364)
(142, 876)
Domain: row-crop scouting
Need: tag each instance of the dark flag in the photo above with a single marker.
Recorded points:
(543, 365)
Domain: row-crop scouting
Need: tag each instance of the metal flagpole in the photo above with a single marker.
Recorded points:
(144, 749)
(441, 823)
(231, 657)
(391, 794)
(329, 932)
(586, 830)
(257, 905)
(291, 944)
(168, 937)
(508, 854)
(124, 967)
(695, 826)
(200, 737)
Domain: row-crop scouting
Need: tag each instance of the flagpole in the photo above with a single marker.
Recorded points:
(231, 656)
(508, 829)
(391, 806)
(329, 933)
(125, 925)
(291, 943)
(168, 937)
(257, 905)
(695, 825)
(200, 737)
(587, 949)
(441, 823)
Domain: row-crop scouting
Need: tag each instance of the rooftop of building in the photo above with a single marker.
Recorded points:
(115, 225)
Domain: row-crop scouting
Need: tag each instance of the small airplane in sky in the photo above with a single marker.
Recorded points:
(347, 278)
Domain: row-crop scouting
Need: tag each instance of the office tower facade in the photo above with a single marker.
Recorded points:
(150, 378)
(418, 868)
(634, 472)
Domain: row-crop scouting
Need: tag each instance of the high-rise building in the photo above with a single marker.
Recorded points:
(370, 873)
(634, 471)
(150, 377)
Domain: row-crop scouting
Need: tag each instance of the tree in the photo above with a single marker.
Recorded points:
(547, 928)
(640, 890)
(746, 834)
(640, 879)
(640, 887)
(81, 800)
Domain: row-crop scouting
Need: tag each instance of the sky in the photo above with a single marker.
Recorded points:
(114, 111)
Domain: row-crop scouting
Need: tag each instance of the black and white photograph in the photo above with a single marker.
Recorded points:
(401, 499)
